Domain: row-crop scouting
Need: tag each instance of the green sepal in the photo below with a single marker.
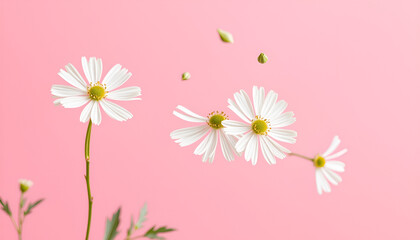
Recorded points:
(31, 206)
(111, 230)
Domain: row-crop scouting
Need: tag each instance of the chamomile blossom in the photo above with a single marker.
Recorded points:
(326, 170)
(95, 93)
(25, 184)
(210, 125)
(263, 124)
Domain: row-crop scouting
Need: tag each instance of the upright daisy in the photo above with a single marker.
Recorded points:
(95, 93)
(212, 124)
(325, 168)
(263, 123)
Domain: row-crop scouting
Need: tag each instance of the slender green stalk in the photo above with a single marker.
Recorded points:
(87, 158)
(20, 218)
(301, 156)
(14, 224)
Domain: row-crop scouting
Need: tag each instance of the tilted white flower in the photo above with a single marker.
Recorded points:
(95, 93)
(25, 184)
(326, 169)
(263, 123)
(211, 124)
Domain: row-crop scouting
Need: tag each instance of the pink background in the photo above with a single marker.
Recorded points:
(345, 67)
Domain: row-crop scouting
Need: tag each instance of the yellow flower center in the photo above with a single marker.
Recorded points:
(319, 161)
(260, 126)
(97, 91)
(216, 118)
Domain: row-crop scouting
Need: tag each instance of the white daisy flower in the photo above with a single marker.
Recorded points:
(25, 184)
(325, 169)
(263, 123)
(211, 124)
(95, 93)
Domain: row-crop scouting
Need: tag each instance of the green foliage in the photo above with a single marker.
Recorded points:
(152, 233)
(131, 228)
(142, 217)
(31, 206)
(5, 207)
(112, 226)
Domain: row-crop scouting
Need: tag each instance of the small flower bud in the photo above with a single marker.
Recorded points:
(186, 76)
(225, 36)
(262, 58)
(25, 185)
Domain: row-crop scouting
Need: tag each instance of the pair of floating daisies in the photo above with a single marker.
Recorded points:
(262, 125)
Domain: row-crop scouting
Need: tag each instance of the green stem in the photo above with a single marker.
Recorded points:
(87, 158)
(20, 219)
(136, 237)
(301, 156)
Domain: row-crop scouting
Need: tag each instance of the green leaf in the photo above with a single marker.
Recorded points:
(31, 206)
(152, 233)
(130, 229)
(112, 225)
(142, 217)
(5, 207)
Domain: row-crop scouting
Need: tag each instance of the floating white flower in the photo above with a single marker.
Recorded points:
(263, 124)
(213, 124)
(325, 168)
(95, 93)
(25, 184)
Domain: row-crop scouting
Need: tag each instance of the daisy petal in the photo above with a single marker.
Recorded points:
(269, 103)
(188, 118)
(235, 128)
(114, 70)
(243, 142)
(118, 79)
(125, 94)
(283, 120)
(71, 80)
(96, 113)
(74, 102)
(75, 74)
(188, 136)
(251, 151)
(336, 155)
(242, 99)
(211, 150)
(202, 147)
(86, 69)
(335, 166)
(283, 135)
(334, 144)
(318, 176)
(192, 114)
(277, 149)
(85, 115)
(324, 183)
(278, 109)
(268, 155)
(110, 112)
(333, 177)
(66, 91)
(258, 96)
(122, 112)
(235, 108)
(228, 149)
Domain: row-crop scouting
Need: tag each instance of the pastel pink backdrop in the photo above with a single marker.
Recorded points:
(345, 67)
